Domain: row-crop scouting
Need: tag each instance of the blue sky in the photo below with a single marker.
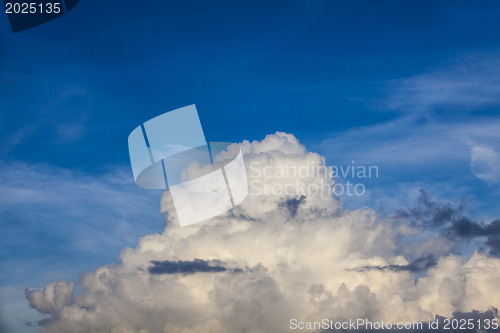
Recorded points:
(408, 86)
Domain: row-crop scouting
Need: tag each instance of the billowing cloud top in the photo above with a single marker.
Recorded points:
(288, 251)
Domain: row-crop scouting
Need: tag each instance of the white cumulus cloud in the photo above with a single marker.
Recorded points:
(288, 251)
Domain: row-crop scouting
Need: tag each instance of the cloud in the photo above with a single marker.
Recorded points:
(466, 83)
(485, 164)
(468, 229)
(470, 322)
(59, 223)
(456, 284)
(494, 243)
(51, 201)
(297, 252)
(418, 265)
(431, 213)
(446, 132)
(414, 149)
(53, 298)
(186, 266)
(292, 204)
(413, 144)
(476, 316)
(450, 219)
(61, 114)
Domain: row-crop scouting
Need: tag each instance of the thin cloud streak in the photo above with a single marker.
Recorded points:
(469, 82)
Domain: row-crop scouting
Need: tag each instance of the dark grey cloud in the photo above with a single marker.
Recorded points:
(418, 265)
(431, 213)
(467, 228)
(186, 266)
(451, 220)
(494, 243)
(476, 317)
(292, 204)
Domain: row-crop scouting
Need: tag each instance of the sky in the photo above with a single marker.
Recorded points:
(410, 88)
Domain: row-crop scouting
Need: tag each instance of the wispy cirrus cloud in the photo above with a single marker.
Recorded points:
(444, 138)
(465, 83)
(411, 153)
(57, 221)
(58, 112)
